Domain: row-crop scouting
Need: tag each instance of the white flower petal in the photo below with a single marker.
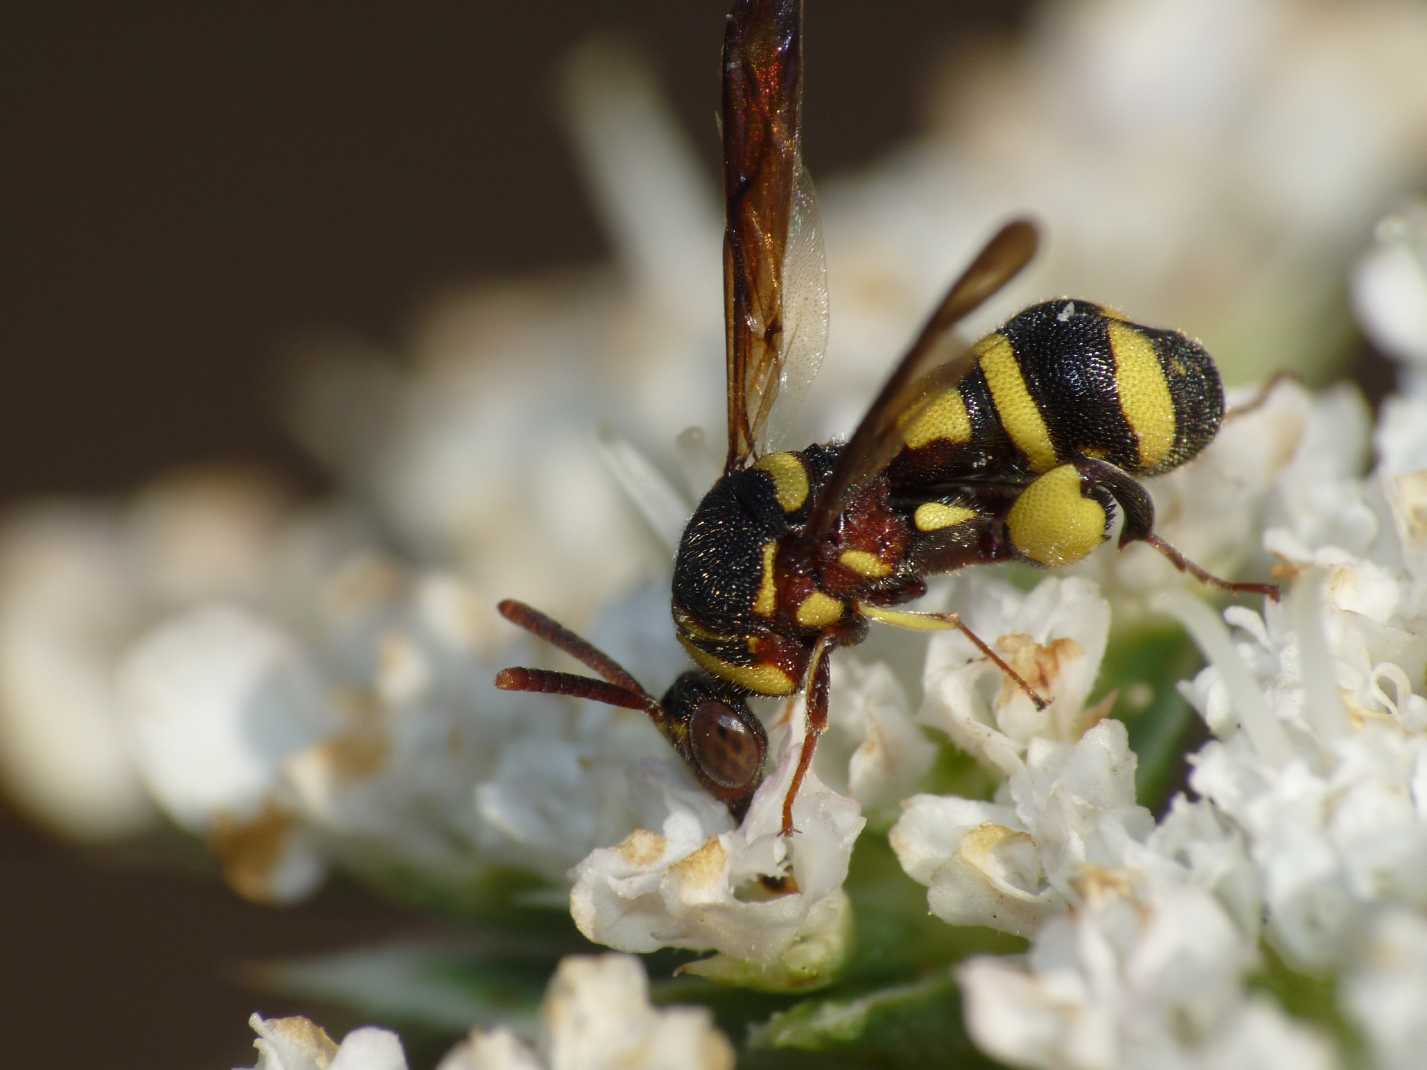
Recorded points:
(1152, 978)
(694, 887)
(1012, 866)
(1053, 635)
(873, 749)
(298, 1044)
(597, 1016)
(496, 1049)
(980, 865)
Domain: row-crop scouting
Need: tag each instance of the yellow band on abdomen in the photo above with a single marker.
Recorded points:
(945, 419)
(1144, 393)
(1014, 405)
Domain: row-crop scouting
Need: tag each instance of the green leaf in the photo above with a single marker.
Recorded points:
(1145, 667)
(1309, 998)
(409, 984)
(499, 896)
(955, 772)
(914, 1024)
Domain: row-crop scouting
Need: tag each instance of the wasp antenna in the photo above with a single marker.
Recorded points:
(582, 650)
(544, 682)
(1262, 394)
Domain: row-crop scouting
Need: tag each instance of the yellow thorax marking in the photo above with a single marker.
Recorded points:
(790, 479)
(819, 610)
(1014, 405)
(865, 564)
(1144, 393)
(761, 679)
(945, 419)
(1052, 523)
(935, 516)
(767, 599)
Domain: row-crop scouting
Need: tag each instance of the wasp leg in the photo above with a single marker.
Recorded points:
(938, 622)
(1179, 561)
(1258, 400)
(819, 677)
(1139, 525)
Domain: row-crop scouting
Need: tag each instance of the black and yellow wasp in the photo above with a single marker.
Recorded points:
(1021, 447)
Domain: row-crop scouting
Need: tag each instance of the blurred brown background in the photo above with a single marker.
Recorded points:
(187, 185)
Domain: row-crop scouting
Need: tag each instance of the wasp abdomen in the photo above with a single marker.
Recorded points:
(1065, 379)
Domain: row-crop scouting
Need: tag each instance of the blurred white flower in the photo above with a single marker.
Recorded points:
(498, 483)
(1211, 166)
(1390, 290)
(1384, 988)
(1322, 771)
(1195, 844)
(596, 1016)
(78, 583)
(368, 732)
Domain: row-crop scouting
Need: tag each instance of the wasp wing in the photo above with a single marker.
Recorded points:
(878, 436)
(770, 215)
(805, 313)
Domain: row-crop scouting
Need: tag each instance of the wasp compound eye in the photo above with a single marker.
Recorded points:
(725, 747)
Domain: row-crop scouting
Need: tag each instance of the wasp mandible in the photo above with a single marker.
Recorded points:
(1021, 447)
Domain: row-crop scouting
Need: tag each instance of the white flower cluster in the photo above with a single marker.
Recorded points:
(596, 1015)
(1143, 935)
(1148, 978)
(1320, 755)
(1310, 826)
